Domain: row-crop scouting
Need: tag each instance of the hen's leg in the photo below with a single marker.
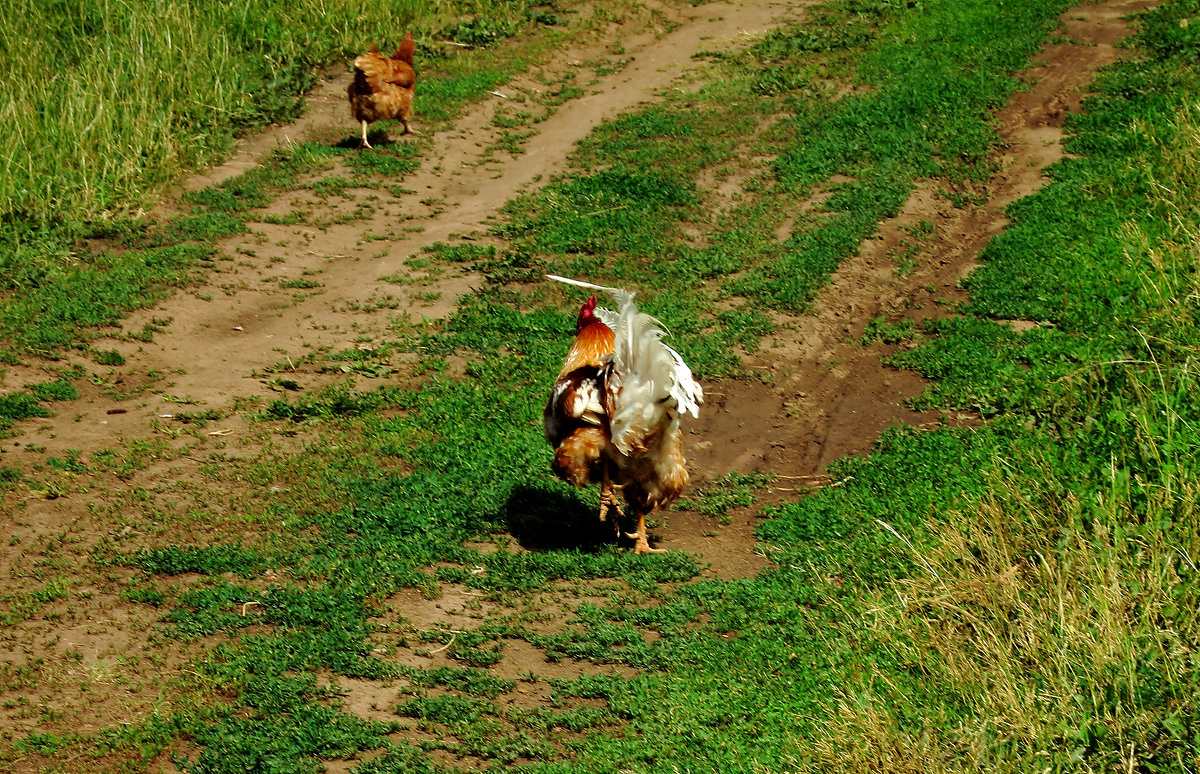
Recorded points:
(364, 143)
(641, 544)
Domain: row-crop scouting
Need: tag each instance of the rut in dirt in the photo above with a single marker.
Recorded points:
(826, 395)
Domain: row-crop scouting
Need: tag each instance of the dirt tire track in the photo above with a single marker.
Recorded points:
(830, 396)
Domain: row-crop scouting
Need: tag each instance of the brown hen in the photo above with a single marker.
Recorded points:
(383, 87)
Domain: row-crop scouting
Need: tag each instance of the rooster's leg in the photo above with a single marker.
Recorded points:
(608, 499)
(364, 143)
(641, 544)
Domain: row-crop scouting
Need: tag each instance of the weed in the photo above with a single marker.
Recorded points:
(880, 329)
(27, 404)
(108, 357)
(299, 283)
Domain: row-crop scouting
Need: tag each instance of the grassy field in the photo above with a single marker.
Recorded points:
(143, 93)
(1038, 614)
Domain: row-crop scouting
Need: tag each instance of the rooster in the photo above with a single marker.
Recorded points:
(613, 415)
(383, 87)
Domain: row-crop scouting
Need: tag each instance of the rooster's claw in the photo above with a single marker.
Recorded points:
(641, 545)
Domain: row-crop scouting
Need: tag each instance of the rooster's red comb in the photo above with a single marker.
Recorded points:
(586, 313)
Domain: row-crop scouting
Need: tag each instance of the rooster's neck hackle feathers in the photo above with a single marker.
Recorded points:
(591, 349)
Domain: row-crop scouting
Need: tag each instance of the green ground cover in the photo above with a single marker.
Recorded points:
(1020, 596)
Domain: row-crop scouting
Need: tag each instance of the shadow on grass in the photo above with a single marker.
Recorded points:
(545, 520)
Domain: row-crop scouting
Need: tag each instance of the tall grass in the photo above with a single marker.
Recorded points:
(106, 100)
(1065, 622)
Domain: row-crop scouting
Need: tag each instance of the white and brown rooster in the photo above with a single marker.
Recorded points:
(613, 415)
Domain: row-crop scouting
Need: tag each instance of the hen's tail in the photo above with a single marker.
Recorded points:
(406, 49)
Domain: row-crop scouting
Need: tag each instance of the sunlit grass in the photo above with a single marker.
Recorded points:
(1060, 615)
(1018, 596)
(1051, 621)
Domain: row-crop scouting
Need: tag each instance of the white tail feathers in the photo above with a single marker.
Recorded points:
(650, 383)
(607, 316)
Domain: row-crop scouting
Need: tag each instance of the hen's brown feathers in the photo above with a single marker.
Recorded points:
(383, 86)
(406, 49)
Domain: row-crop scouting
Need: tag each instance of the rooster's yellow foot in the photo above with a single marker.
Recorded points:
(641, 545)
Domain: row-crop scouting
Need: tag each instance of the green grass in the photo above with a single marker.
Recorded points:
(1019, 596)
